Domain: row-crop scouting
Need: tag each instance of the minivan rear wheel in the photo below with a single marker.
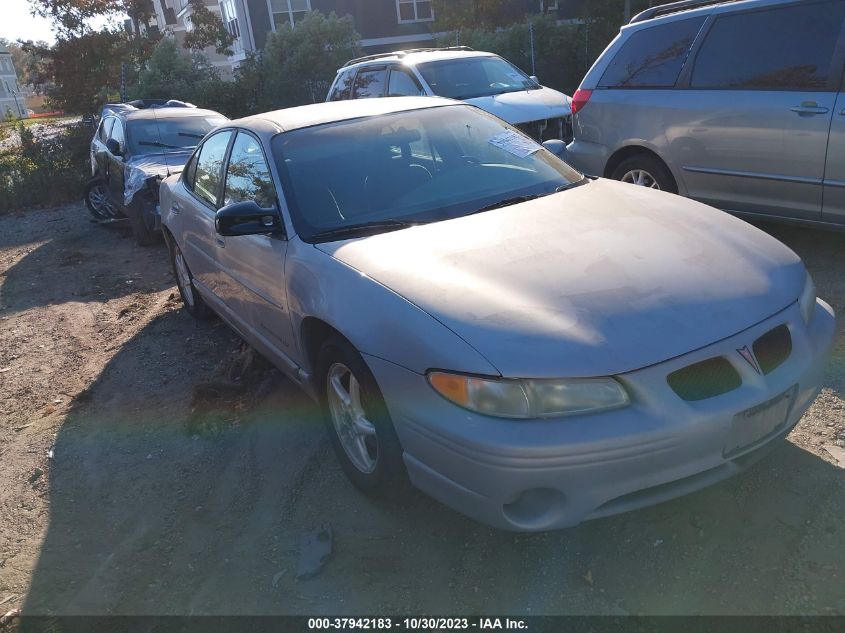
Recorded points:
(645, 171)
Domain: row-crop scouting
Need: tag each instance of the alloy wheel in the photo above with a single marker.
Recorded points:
(356, 433)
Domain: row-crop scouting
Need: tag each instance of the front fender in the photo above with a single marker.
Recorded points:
(375, 319)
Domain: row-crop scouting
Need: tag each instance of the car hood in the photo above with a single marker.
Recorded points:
(599, 280)
(525, 105)
(161, 164)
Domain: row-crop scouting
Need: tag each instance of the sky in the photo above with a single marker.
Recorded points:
(18, 23)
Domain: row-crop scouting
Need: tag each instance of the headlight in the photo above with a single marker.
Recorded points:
(509, 398)
(807, 300)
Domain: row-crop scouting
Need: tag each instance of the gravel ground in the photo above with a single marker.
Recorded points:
(135, 484)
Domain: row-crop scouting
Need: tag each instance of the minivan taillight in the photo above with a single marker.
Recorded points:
(579, 99)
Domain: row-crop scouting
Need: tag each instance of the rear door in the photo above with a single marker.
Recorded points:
(195, 202)
(99, 153)
(370, 82)
(252, 267)
(752, 127)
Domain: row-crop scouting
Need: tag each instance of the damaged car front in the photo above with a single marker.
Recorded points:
(132, 151)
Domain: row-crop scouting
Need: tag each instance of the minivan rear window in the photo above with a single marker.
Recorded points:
(653, 57)
(785, 48)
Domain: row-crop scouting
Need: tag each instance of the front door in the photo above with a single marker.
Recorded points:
(252, 267)
(833, 209)
(115, 172)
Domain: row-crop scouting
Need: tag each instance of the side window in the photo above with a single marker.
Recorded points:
(209, 172)
(653, 57)
(190, 172)
(370, 83)
(403, 84)
(248, 176)
(117, 133)
(105, 129)
(343, 86)
(788, 48)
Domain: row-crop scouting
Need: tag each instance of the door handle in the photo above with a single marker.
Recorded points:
(809, 107)
(221, 242)
(175, 209)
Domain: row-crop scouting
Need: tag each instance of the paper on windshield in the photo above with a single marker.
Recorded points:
(515, 143)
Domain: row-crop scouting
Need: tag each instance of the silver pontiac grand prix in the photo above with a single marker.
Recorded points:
(529, 346)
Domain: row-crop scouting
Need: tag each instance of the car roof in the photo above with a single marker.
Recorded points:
(411, 58)
(691, 8)
(162, 114)
(320, 113)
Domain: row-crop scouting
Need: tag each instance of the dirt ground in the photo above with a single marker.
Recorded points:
(116, 498)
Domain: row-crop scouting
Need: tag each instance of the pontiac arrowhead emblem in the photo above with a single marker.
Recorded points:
(749, 358)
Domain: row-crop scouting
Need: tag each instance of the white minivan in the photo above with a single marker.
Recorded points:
(482, 79)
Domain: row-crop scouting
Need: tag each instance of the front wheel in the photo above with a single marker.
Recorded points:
(358, 422)
(646, 171)
(99, 202)
(193, 301)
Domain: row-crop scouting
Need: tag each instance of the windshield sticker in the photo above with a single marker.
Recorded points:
(515, 143)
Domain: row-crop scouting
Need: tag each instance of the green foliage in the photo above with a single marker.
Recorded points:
(208, 31)
(559, 61)
(43, 172)
(453, 15)
(300, 63)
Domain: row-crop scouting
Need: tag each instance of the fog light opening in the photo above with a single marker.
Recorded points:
(537, 508)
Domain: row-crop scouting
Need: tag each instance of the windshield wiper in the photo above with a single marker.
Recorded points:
(355, 230)
(159, 144)
(199, 136)
(509, 201)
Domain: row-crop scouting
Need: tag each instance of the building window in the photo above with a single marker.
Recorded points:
(230, 19)
(288, 11)
(548, 5)
(414, 11)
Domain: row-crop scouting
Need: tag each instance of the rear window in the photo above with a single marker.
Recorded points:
(653, 57)
(787, 48)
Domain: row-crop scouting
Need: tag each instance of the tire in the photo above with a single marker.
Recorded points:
(98, 200)
(383, 474)
(144, 235)
(191, 299)
(646, 171)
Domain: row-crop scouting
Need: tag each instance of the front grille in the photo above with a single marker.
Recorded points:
(705, 379)
(548, 129)
(773, 348)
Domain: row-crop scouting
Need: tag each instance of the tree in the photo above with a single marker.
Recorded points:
(456, 15)
(208, 31)
(300, 63)
(71, 17)
(171, 73)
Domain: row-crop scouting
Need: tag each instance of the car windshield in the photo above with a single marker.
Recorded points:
(410, 167)
(162, 134)
(471, 77)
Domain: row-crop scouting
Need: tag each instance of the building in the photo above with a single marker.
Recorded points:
(173, 17)
(11, 98)
(384, 25)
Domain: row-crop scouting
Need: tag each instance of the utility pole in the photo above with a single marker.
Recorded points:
(531, 38)
(627, 11)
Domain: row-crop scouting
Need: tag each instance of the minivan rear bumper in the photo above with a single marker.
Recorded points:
(588, 158)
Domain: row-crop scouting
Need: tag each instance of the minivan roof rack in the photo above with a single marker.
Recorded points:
(400, 54)
(674, 7)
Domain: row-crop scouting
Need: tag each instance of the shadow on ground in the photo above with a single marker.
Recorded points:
(148, 516)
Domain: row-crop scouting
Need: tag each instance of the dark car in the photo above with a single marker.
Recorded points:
(132, 150)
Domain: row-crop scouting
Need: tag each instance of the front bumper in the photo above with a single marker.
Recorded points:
(546, 474)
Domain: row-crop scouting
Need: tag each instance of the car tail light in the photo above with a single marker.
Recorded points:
(579, 99)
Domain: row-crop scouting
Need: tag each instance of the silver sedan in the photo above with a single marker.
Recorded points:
(529, 346)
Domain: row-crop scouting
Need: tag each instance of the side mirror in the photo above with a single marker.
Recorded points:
(114, 147)
(247, 218)
(534, 79)
(556, 147)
